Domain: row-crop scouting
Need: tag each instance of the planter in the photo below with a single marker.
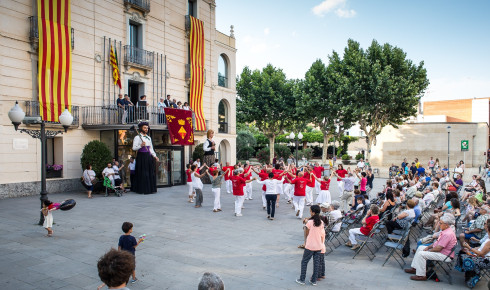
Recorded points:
(346, 162)
(54, 173)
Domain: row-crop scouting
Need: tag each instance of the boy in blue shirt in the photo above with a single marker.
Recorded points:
(128, 243)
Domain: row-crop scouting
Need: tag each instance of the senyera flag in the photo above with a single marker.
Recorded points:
(196, 42)
(180, 127)
(115, 67)
(54, 77)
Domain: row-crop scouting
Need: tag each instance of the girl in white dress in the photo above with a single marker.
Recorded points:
(324, 195)
(47, 209)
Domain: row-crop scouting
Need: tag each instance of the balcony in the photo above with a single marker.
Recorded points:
(32, 110)
(114, 117)
(188, 73)
(138, 58)
(34, 34)
(223, 127)
(141, 5)
(222, 81)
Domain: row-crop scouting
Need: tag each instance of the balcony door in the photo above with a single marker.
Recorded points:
(135, 91)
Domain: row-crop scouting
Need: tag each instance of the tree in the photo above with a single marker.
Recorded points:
(321, 103)
(381, 84)
(245, 141)
(97, 154)
(266, 98)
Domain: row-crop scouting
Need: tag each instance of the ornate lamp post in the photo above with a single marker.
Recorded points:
(16, 116)
(292, 137)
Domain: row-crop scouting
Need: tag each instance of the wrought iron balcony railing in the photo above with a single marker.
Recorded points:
(114, 115)
(138, 57)
(33, 110)
(222, 81)
(34, 33)
(223, 127)
(142, 5)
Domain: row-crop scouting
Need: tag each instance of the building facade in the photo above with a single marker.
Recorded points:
(151, 38)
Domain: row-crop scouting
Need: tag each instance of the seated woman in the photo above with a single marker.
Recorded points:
(403, 219)
(470, 209)
(388, 205)
(453, 208)
(472, 260)
(368, 223)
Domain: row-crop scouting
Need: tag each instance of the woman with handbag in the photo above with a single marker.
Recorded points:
(89, 179)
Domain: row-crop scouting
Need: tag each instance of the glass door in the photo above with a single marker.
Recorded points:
(177, 167)
(162, 167)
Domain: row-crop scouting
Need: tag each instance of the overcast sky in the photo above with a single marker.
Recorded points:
(451, 37)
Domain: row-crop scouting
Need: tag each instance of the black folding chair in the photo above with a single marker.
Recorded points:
(368, 243)
(445, 265)
(329, 236)
(395, 248)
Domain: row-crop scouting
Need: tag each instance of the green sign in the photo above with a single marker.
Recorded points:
(464, 145)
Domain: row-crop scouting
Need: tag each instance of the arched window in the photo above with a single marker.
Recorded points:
(222, 117)
(222, 71)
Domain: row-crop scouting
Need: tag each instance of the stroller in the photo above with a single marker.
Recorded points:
(109, 187)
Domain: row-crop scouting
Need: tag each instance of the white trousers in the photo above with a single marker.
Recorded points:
(341, 186)
(264, 201)
(420, 260)
(239, 203)
(189, 186)
(217, 193)
(248, 190)
(229, 186)
(352, 235)
(317, 186)
(299, 204)
(309, 195)
(287, 191)
(324, 196)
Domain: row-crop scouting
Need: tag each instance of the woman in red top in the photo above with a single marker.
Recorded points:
(367, 225)
(341, 173)
(189, 183)
(324, 195)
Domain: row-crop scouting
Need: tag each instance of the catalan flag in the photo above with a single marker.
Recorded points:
(197, 71)
(115, 67)
(54, 69)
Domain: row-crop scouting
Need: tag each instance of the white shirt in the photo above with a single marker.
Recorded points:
(198, 164)
(138, 139)
(88, 175)
(107, 173)
(428, 198)
(116, 172)
(457, 171)
(360, 164)
(161, 105)
(207, 145)
(270, 185)
(196, 181)
(336, 214)
(186, 107)
(132, 165)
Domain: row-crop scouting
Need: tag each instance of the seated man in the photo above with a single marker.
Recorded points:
(333, 214)
(412, 189)
(436, 252)
(368, 223)
(478, 226)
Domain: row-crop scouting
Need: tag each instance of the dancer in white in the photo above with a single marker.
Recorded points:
(216, 180)
(270, 194)
(324, 195)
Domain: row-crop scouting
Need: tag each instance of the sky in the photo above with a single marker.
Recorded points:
(451, 37)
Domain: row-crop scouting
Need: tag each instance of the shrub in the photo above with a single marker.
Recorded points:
(359, 156)
(245, 153)
(96, 154)
(346, 157)
(198, 152)
(279, 150)
(308, 153)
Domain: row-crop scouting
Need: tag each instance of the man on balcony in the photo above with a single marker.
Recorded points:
(128, 106)
(121, 111)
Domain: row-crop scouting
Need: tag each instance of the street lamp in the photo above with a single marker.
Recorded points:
(448, 132)
(292, 137)
(16, 116)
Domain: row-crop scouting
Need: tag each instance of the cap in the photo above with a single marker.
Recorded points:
(419, 194)
(325, 205)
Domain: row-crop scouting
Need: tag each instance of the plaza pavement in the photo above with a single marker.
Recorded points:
(248, 252)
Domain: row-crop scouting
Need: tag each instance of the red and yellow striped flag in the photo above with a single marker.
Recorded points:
(115, 67)
(54, 74)
(197, 71)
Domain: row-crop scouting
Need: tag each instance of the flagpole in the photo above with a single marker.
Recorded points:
(113, 83)
(103, 76)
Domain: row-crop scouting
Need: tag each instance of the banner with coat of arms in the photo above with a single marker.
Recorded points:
(180, 127)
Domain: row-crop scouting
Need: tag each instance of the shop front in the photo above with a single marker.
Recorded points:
(170, 168)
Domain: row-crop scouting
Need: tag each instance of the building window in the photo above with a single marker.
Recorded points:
(134, 35)
(222, 117)
(222, 71)
(192, 8)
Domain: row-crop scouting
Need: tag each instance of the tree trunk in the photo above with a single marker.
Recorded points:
(368, 153)
(271, 148)
(325, 147)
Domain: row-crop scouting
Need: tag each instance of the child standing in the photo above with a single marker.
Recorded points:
(315, 241)
(216, 180)
(48, 208)
(115, 268)
(188, 172)
(128, 243)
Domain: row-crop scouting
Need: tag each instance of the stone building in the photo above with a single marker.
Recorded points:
(151, 38)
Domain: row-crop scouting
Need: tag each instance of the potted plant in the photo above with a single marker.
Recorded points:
(359, 156)
(97, 154)
(346, 159)
(54, 170)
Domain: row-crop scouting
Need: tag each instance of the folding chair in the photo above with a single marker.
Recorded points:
(329, 235)
(367, 242)
(395, 248)
(445, 265)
